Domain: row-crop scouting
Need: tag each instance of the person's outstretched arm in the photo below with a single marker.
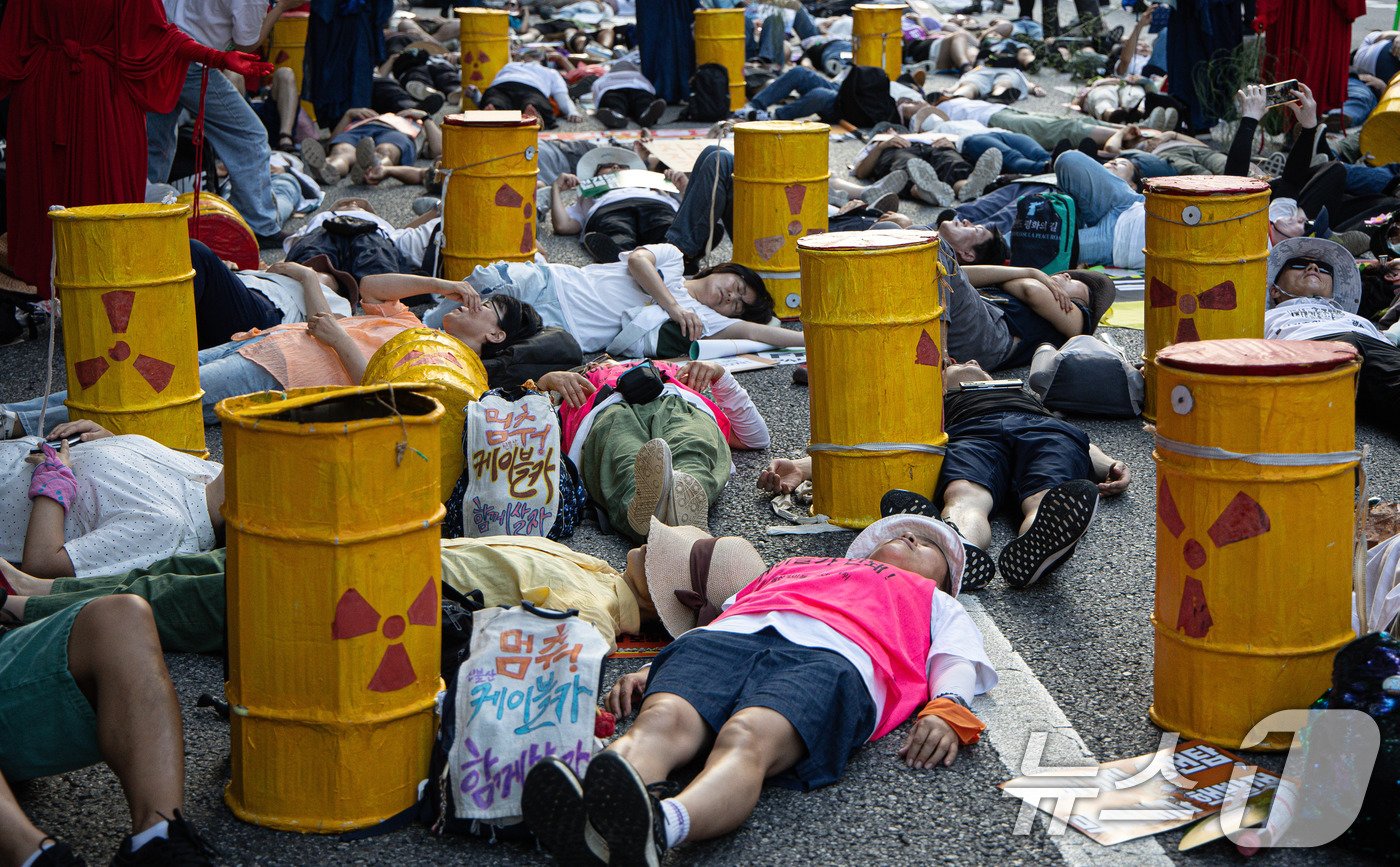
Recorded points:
(382, 288)
(773, 335)
(1112, 475)
(783, 475)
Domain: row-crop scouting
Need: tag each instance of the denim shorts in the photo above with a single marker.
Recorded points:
(818, 691)
(381, 135)
(1014, 454)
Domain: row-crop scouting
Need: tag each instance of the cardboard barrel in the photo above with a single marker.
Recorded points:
(1207, 262)
(781, 168)
(286, 46)
(124, 276)
(1256, 512)
(485, 38)
(1380, 133)
(334, 634)
(445, 368)
(222, 229)
(489, 212)
(878, 36)
(719, 38)
(875, 342)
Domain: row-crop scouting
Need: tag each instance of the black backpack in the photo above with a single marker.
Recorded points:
(1044, 235)
(864, 98)
(709, 94)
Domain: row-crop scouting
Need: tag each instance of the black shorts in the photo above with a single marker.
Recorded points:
(818, 691)
(1015, 454)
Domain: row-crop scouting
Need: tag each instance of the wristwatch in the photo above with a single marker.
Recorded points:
(953, 696)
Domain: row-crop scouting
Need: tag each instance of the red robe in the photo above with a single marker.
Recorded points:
(81, 75)
(1310, 40)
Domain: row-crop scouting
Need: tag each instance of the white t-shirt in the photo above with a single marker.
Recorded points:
(595, 299)
(541, 78)
(619, 80)
(585, 207)
(286, 294)
(218, 23)
(962, 108)
(1313, 318)
(137, 502)
(1130, 237)
(1370, 51)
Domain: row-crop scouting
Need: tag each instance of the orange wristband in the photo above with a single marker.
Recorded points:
(963, 721)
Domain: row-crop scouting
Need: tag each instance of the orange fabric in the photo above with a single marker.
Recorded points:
(963, 721)
(298, 360)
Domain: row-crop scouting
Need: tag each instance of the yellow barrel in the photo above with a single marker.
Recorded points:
(489, 214)
(874, 340)
(1380, 134)
(334, 639)
(443, 367)
(127, 287)
(286, 46)
(485, 38)
(719, 38)
(1207, 262)
(878, 37)
(1255, 515)
(222, 229)
(781, 169)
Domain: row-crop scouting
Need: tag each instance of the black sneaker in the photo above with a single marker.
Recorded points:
(624, 812)
(58, 854)
(552, 804)
(611, 119)
(183, 848)
(897, 501)
(652, 113)
(601, 247)
(799, 374)
(1062, 519)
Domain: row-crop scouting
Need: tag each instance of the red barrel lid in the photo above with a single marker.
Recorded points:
(1257, 357)
(892, 239)
(1204, 185)
(475, 118)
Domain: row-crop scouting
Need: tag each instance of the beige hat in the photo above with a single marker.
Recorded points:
(894, 526)
(690, 573)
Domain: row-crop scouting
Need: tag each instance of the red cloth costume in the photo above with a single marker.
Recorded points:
(1310, 40)
(81, 75)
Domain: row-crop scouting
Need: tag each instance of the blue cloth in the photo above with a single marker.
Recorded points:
(1014, 454)
(1204, 30)
(1150, 165)
(1360, 100)
(382, 134)
(691, 227)
(1100, 197)
(344, 43)
(223, 305)
(815, 95)
(235, 133)
(997, 209)
(664, 37)
(818, 691)
(1364, 180)
(1020, 154)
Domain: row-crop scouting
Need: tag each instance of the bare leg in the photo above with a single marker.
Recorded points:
(432, 134)
(18, 836)
(667, 733)
(754, 744)
(1029, 506)
(284, 96)
(341, 158)
(114, 655)
(969, 505)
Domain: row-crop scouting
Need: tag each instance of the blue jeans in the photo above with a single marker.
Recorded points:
(530, 282)
(691, 228)
(1150, 165)
(1099, 197)
(815, 95)
(286, 194)
(222, 373)
(1020, 154)
(235, 133)
(1359, 102)
(1363, 180)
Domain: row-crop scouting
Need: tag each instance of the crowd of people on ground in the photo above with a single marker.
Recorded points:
(111, 546)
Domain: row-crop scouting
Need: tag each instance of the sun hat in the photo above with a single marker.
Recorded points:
(690, 573)
(894, 526)
(605, 155)
(1102, 294)
(1346, 280)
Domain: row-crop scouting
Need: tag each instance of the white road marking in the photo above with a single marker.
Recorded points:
(1020, 704)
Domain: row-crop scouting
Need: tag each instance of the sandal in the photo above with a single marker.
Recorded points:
(285, 143)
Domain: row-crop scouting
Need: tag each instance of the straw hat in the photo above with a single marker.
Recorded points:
(1346, 281)
(690, 573)
(894, 526)
(606, 155)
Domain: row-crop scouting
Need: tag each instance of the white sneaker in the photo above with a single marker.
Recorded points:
(987, 168)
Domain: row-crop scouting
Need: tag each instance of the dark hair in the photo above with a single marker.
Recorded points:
(518, 320)
(760, 311)
(1136, 179)
(992, 251)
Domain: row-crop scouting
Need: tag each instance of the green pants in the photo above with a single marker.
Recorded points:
(186, 593)
(697, 448)
(1045, 129)
(1195, 161)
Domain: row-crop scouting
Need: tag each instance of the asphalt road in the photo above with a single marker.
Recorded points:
(1083, 635)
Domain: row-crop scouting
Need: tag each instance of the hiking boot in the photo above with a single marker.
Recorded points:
(927, 185)
(365, 159)
(1064, 516)
(624, 812)
(611, 119)
(887, 202)
(10, 427)
(652, 113)
(552, 804)
(601, 247)
(1156, 118)
(430, 100)
(690, 506)
(273, 241)
(894, 182)
(58, 854)
(183, 848)
(983, 173)
(313, 156)
(799, 374)
(651, 497)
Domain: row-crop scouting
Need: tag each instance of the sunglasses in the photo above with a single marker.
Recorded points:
(1301, 264)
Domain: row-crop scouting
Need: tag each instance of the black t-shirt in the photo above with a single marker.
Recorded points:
(966, 404)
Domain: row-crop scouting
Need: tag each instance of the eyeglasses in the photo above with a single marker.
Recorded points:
(1302, 263)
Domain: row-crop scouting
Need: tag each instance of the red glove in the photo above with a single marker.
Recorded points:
(246, 65)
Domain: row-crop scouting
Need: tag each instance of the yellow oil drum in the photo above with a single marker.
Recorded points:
(781, 169)
(286, 46)
(1256, 507)
(222, 229)
(334, 637)
(489, 212)
(1207, 262)
(445, 368)
(873, 318)
(1380, 134)
(485, 44)
(719, 38)
(878, 37)
(127, 287)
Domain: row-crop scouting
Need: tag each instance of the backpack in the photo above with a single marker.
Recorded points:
(1088, 376)
(1044, 234)
(709, 94)
(864, 98)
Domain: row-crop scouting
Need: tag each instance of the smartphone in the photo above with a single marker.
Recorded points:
(1281, 93)
(1161, 14)
(993, 384)
(72, 441)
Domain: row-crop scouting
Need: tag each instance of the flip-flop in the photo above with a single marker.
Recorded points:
(1064, 516)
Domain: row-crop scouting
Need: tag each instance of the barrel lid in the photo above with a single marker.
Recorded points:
(475, 10)
(778, 127)
(1204, 185)
(502, 119)
(1257, 357)
(866, 240)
